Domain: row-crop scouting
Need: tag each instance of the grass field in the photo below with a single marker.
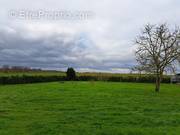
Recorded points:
(89, 108)
(32, 73)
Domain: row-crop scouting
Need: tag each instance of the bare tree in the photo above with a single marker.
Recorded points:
(138, 69)
(158, 49)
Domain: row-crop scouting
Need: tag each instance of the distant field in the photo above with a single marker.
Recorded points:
(32, 73)
(89, 108)
(52, 73)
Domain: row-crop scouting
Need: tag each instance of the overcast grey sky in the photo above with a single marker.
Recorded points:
(101, 42)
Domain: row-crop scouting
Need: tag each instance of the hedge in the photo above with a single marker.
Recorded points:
(37, 79)
(140, 79)
(29, 79)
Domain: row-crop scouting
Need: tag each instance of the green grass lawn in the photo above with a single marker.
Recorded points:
(89, 108)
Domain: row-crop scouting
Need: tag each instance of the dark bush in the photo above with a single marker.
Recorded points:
(71, 74)
(29, 79)
(37, 79)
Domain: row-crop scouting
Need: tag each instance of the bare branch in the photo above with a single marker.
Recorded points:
(158, 48)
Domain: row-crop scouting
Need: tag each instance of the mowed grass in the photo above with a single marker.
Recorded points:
(89, 108)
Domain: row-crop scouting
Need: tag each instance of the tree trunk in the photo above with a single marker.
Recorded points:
(158, 81)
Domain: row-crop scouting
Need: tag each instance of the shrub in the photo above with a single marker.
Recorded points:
(43, 78)
(71, 74)
(29, 79)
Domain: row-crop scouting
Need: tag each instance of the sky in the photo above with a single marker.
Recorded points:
(101, 40)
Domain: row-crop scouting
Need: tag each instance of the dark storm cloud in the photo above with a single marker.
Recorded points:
(57, 50)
